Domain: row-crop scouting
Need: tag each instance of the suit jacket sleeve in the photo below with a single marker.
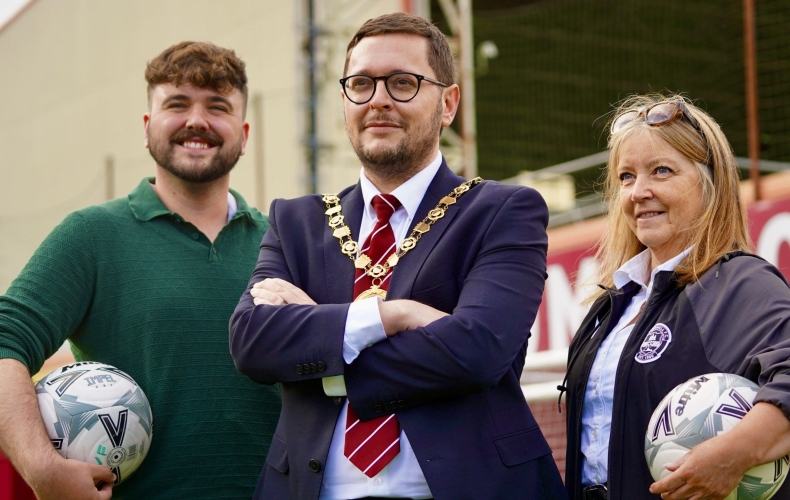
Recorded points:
(290, 342)
(46, 303)
(469, 351)
(474, 348)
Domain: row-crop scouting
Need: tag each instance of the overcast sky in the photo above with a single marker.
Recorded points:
(8, 8)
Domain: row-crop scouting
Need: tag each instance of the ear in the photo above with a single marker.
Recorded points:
(245, 130)
(451, 97)
(146, 120)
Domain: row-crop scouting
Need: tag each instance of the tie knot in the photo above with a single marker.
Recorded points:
(385, 205)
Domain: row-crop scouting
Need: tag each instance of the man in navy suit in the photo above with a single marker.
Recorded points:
(416, 396)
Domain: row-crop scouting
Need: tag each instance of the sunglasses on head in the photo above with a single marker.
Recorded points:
(656, 115)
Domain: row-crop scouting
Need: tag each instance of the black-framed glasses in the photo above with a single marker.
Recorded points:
(402, 87)
(656, 115)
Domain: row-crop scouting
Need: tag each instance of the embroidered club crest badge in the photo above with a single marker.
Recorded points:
(655, 343)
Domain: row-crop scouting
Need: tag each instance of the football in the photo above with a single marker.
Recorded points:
(96, 413)
(699, 409)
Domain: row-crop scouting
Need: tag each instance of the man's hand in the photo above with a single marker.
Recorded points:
(25, 442)
(400, 315)
(396, 315)
(64, 479)
(275, 292)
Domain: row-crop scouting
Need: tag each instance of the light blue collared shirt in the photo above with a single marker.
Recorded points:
(599, 395)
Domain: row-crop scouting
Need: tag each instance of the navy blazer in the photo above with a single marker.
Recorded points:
(453, 384)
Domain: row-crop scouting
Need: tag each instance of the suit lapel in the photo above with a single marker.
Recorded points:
(339, 268)
(407, 269)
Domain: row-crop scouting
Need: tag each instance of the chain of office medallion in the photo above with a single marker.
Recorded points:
(350, 247)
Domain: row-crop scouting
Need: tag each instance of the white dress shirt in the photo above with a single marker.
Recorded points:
(233, 207)
(599, 395)
(402, 477)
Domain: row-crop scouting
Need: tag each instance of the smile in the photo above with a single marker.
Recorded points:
(195, 145)
(196, 140)
(648, 215)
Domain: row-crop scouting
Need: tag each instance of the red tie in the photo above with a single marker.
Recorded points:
(371, 445)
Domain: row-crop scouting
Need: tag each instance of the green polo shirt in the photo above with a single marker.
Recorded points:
(132, 284)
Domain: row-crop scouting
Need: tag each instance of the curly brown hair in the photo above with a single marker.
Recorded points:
(201, 64)
(440, 57)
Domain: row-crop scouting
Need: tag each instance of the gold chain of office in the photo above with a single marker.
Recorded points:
(378, 271)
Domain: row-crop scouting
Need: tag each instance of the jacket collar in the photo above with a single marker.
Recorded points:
(410, 265)
(340, 272)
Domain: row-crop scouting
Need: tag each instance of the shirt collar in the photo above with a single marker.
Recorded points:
(410, 193)
(636, 269)
(233, 207)
(146, 205)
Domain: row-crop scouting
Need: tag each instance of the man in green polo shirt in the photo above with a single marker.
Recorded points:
(147, 283)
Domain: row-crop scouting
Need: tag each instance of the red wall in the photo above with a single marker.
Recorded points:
(12, 487)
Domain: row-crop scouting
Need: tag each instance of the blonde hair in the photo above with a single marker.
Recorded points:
(722, 226)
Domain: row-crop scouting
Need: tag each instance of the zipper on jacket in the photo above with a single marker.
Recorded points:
(650, 302)
(578, 425)
(562, 387)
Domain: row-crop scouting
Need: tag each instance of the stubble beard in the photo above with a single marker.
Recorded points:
(226, 157)
(401, 161)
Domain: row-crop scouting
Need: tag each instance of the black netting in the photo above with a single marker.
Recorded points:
(773, 67)
(562, 63)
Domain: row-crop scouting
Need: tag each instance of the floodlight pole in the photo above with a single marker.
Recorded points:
(258, 159)
(312, 137)
(459, 18)
(752, 117)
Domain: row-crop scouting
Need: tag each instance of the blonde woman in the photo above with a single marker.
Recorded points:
(681, 296)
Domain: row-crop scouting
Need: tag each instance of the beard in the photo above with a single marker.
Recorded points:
(403, 160)
(191, 170)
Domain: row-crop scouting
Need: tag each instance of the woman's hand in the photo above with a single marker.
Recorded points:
(713, 468)
(710, 471)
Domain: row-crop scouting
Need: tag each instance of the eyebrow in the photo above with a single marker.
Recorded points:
(220, 99)
(651, 163)
(661, 159)
(183, 97)
(392, 72)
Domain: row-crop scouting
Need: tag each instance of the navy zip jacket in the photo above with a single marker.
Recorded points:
(735, 319)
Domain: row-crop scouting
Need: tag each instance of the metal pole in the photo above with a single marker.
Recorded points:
(752, 117)
(312, 135)
(109, 178)
(467, 78)
(257, 134)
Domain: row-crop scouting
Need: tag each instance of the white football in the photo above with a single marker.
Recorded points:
(701, 408)
(96, 413)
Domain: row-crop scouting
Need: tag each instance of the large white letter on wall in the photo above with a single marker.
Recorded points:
(564, 298)
(775, 232)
